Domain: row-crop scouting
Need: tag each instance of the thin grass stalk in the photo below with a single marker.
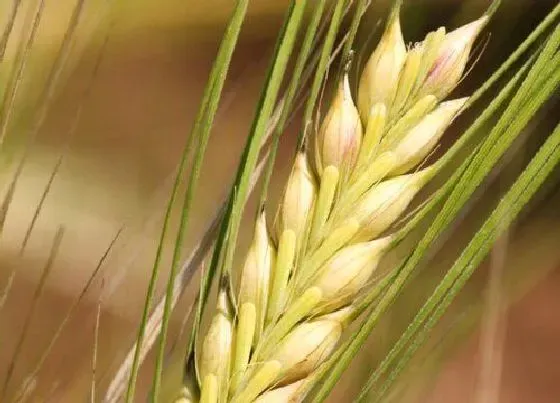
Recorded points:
(83, 99)
(521, 192)
(183, 276)
(342, 359)
(8, 28)
(361, 7)
(460, 326)
(25, 44)
(43, 109)
(69, 314)
(212, 94)
(31, 312)
(68, 138)
(93, 386)
(45, 101)
(55, 73)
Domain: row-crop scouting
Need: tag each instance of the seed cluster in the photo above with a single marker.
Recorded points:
(299, 282)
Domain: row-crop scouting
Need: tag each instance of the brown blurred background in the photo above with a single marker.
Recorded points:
(117, 169)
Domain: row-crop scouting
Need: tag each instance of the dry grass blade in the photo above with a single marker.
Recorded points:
(69, 137)
(8, 28)
(29, 317)
(69, 314)
(25, 44)
(48, 94)
(36, 213)
(82, 100)
(43, 108)
(93, 388)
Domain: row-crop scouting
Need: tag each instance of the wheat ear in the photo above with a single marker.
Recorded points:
(299, 282)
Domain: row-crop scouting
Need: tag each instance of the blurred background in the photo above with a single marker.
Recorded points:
(113, 129)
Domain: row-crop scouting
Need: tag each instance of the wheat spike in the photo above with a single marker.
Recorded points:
(296, 295)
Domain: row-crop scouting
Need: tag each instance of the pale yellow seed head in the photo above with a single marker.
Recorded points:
(255, 277)
(299, 198)
(285, 394)
(449, 65)
(305, 348)
(380, 77)
(422, 138)
(346, 273)
(382, 205)
(338, 141)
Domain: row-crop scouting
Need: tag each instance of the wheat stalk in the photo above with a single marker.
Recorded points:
(299, 282)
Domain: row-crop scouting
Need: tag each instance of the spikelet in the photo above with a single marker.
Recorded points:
(298, 200)
(379, 79)
(383, 204)
(297, 355)
(338, 140)
(305, 348)
(346, 273)
(452, 56)
(255, 277)
(298, 295)
(418, 142)
(216, 350)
